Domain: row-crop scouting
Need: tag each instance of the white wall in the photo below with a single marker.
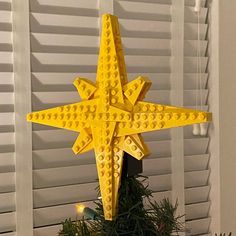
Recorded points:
(223, 99)
(227, 102)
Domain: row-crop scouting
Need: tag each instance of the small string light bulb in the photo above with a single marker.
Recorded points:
(80, 208)
(87, 212)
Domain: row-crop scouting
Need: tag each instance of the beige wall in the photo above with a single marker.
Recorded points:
(227, 110)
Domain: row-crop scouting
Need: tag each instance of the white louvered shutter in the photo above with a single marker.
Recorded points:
(7, 159)
(64, 44)
(196, 155)
(146, 37)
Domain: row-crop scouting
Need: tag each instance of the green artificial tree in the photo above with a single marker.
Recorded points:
(138, 215)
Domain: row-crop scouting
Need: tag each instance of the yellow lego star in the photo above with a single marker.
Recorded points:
(112, 115)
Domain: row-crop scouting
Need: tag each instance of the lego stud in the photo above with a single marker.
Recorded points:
(201, 116)
(60, 109)
(160, 108)
(128, 141)
(67, 108)
(36, 116)
(161, 125)
(116, 174)
(140, 154)
(193, 116)
(116, 166)
(54, 116)
(144, 125)
(152, 116)
(29, 116)
(175, 116)
(153, 108)
(167, 116)
(183, 116)
(145, 107)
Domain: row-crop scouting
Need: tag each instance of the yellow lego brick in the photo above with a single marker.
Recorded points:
(83, 140)
(85, 88)
(135, 147)
(103, 133)
(136, 89)
(149, 117)
(111, 116)
(110, 73)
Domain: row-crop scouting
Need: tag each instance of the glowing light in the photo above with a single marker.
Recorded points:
(80, 208)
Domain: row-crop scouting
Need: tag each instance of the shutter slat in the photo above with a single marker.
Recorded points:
(197, 194)
(190, 97)
(5, 57)
(190, 31)
(192, 3)
(56, 195)
(7, 222)
(156, 166)
(195, 146)
(190, 64)
(7, 202)
(64, 176)
(54, 215)
(190, 80)
(5, 37)
(47, 231)
(196, 162)
(6, 98)
(7, 182)
(7, 138)
(7, 162)
(191, 17)
(145, 28)
(166, 2)
(198, 227)
(142, 10)
(145, 63)
(7, 118)
(190, 47)
(197, 211)
(45, 82)
(196, 178)
(68, 4)
(64, 21)
(5, 17)
(6, 78)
